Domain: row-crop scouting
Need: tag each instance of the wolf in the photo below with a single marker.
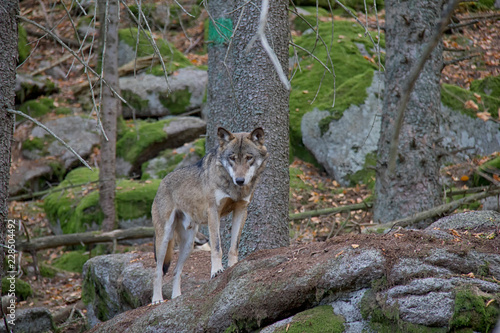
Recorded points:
(223, 181)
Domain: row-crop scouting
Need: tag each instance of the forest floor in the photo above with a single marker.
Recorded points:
(63, 291)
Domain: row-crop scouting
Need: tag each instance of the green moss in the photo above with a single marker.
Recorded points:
(173, 58)
(471, 311)
(72, 261)
(63, 110)
(455, 97)
(489, 167)
(353, 76)
(306, 21)
(38, 108)
(23, 289)
(135, 100)
(135, 139)
(47, 270)
(367, 174)
(23, 46)
(324, 124)
(489, 86)
(93, 292)
(177, 101)
(33, 144)
(199, 147)
(77, 209)
(320, 319)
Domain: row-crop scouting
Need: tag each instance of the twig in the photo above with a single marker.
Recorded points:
(57, 62)
(261, 34)
(51, 133)
(412, 78)
(433, 212)
(454, 61)
(326, 211)
(67, 41)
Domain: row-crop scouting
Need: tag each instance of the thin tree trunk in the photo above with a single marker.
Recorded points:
(110, 109)
(245, 92)
(9, 9)
(414, 186)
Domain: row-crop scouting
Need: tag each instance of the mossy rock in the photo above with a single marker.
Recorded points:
(137, 136)
(77, 209)
(367, 174)
(23, 289)
(173, 58)
(455, 98)
(72, 261)
(47, 271)
(23, 46)
(320, 319)
(353, 74)
(473, 312)
(177, 101)
(489, 86)
(38, 108)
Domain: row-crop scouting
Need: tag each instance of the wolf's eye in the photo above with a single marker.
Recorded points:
(232, 157)
(249, 157)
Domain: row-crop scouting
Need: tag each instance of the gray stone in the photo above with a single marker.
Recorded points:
(348, 306)
(408, 268)
(30, 87)
(343, 148)
(468, 220)
(79, 133)
(153, 91)
(31, 320)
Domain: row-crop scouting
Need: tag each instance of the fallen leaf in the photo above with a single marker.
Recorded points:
(471, 105)
(490, 301)
(355, 246)
(339, 254)
(483, 116)
(464, 178)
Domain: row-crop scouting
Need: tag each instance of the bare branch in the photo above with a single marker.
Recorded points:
(51, 133)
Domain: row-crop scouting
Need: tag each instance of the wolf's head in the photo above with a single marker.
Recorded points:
(243, 155)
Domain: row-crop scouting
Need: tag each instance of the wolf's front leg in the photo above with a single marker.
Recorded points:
(239, 218)
(215, 245)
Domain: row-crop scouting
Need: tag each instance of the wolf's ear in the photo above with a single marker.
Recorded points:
(224, 136)
(257, 135)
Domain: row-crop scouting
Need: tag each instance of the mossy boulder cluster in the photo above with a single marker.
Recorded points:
(442, 279)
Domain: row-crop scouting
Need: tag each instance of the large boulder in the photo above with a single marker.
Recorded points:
(44, 158)
(147, 140)
(344, 144)
(402, 281)
(152, 96)
(30, 87)
(33, 320)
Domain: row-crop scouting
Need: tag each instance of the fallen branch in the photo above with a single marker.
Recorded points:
(58, 61)
(454, 61)
(38, 34)
(333, 210)
(433, 212)
(49, 191)
(85, 238)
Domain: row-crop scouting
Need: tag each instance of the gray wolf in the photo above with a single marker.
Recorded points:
(223, 181)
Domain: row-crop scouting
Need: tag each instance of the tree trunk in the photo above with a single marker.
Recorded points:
(247, 93)
(8, 60)
(110, 109)
(414, 186)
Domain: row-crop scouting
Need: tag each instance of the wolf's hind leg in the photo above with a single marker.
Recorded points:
(161, 247)
(187, 232)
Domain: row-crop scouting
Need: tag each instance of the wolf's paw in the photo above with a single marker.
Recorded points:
(156, 302)
(217, 273)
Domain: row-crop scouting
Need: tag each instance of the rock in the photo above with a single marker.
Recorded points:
(79, 133)
(410, 282)
(120, 282)
(29, 87)
(150, 96)
(154, 137)
(342, 145)
(342, 148)
(468, 220)
(25, 175)
(33, 320)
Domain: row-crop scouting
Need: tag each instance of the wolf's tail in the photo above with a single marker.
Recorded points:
(168, 255)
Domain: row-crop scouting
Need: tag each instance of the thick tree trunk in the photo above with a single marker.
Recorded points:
(8, 60)
(414, 186)
(110, 109)
(245, 93)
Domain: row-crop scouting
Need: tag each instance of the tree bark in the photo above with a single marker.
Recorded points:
(245, 92)
(9, 9)
(110, 109)
(414, 186)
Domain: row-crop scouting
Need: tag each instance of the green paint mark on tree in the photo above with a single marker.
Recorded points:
(221, 31)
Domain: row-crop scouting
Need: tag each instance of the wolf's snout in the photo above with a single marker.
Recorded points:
(240, 181)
